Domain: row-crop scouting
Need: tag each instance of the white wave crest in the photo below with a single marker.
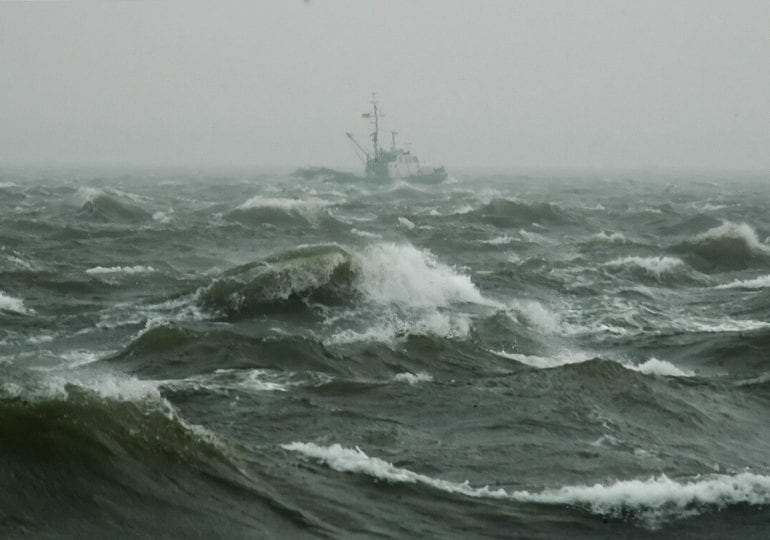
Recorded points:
(712, 326)
(284, 203)
(535, 238)
(735, 231)
(653, 266)
(413, 378)
(163, 217)
(389, 331)
(653, 500)
(611, 238)
(405, 224)
(88, 194)
(138, 269)
(16, 305)
(344, 459)
(562, 358)
(104, 385)
(499, 240)
(536, 314)
(404, 275)
(366, 234)
(757, 283)
(659, 499)
(653, 366)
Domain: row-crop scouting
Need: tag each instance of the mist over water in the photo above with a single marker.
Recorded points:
(267, 355)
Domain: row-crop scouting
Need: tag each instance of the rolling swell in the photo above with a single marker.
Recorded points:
(85, 458)
(169, 351)
(325, 174)
(109, 209)
(665, 270)
(507, 213)
(277, 212)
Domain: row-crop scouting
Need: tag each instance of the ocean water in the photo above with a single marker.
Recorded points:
(274, 356)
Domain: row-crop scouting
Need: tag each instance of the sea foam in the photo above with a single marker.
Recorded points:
(283, 203)
(656, 267)
(762, 282)
(402, 274)
(651, 501)
(653, 366)
(13, 304)
(138, 269)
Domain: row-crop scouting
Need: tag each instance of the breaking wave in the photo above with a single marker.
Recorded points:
(728, 246)
(293, 280)
(138, 269)
(610, 238)
(13, 304)
(660, 269)
(762, 282)
(653, 366)
(382, 273)
(101, 206)
(651, 502)
(83, 452)
(284, 212)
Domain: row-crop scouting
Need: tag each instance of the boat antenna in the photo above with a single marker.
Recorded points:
(376, 134)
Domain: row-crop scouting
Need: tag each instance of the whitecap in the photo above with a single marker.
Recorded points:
(366, 234)
(653, 500)
(653, 366)
(756, 283)
(404, 223)
(535, 314)
(499, 240)
(737, 231)
(535, 238)
(610, 238)
(404, 275)
(413, 378)
(283, 203)
(653, 266)
(138, 269)
(16, 305)
(562, 358)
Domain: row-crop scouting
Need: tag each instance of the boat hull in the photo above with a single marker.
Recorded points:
(436, 176)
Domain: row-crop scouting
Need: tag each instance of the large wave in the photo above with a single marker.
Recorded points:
(667, 270)
(507, 213)
(292, 280)
(382, 273)
(730, 246)
(283, 212)
(101, 206)
(84, 455)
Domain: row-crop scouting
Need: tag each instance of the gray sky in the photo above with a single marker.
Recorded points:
(507, 83)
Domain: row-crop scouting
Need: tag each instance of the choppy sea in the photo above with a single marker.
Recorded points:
(201, 355)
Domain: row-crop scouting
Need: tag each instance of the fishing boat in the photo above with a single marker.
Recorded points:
(394, 163)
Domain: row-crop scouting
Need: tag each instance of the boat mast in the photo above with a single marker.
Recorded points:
(393, 138)
(376, 134)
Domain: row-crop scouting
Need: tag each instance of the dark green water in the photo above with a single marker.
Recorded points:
(254, 355)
